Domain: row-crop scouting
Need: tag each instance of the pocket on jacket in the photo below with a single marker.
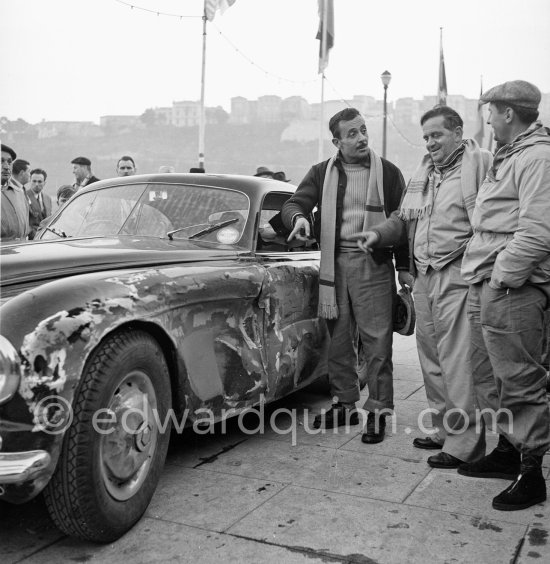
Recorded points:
(496, 308)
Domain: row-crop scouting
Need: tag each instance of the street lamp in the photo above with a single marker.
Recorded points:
(386, 77)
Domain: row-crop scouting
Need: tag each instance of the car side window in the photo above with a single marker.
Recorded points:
(272, 234)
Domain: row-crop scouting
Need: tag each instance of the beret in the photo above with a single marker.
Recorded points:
(81, 161)
(9, 150)
(517, 92)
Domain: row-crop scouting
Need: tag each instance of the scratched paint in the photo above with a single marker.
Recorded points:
(257, 327)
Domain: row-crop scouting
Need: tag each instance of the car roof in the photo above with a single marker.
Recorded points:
(251, 185)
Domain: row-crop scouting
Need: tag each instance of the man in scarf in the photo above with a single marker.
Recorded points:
(355, 189)
(435, 216)
(507, 264)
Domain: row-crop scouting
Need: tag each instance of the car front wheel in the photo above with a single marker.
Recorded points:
(114, 451)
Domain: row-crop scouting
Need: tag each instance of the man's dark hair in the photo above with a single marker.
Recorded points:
(18, 166)
(39, 171)
(126, 158)
(343, 115)
(65, 191)
(451, 118)
(526, 115)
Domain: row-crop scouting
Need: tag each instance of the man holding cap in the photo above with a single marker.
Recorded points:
(82, 170)
(507, 264)
(14, 208)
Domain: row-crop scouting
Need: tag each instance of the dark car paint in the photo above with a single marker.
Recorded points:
(235, 326)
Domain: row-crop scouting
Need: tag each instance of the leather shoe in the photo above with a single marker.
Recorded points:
(376, 429)
(337, 416)
(426, 443)
(444, 460)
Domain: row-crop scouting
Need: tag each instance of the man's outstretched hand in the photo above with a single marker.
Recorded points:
(301, 231)
(365, 240)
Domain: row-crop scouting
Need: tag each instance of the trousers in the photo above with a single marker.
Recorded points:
(365, 292)
(506, 352)
(443, 337)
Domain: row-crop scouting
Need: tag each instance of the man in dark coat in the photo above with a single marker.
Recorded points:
(353, 190)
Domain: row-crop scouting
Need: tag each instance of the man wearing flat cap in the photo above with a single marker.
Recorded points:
(82, 170)
(507, 264)
(14, 207)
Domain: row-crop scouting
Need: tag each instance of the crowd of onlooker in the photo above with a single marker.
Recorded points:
(25, 205)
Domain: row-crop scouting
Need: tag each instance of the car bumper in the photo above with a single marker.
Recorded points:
(20, 467)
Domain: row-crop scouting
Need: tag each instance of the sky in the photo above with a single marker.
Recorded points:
(81, 59)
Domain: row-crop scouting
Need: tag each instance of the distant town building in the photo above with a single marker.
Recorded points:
(120, 123)
(403, 113)
(47, 129)
(186, 113)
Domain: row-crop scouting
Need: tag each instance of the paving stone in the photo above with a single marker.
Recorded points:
(407, 371)
(292, 428)
(377, 531)
(397, 443)
(154, 541)
(536, 545)
(206, 499)
(419, 395)
(410, 413)
(24, 529)
(449, 491)
(359, 473)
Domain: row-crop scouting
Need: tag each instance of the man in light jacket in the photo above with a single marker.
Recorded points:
(435, 216)
(507, 264)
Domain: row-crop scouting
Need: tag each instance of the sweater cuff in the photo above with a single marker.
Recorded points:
(295, 217)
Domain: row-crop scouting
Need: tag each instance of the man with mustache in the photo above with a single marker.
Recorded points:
(435, 214)
(355, 189)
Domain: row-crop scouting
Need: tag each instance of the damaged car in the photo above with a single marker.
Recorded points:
(144, 298)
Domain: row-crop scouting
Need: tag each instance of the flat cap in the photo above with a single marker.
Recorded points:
(9, 150)
(81, 161)
(517, 92)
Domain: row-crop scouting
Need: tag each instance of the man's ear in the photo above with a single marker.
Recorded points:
(336, 142)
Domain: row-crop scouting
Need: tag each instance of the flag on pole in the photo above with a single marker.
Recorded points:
(212, 6)
(480, 133)
(326, 32)
(442, 89)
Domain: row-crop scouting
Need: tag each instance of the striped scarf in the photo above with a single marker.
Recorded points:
(374, 214)
(419, 197)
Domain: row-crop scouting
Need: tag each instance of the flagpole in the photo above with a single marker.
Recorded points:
(439, 73)
(322, 61)
(321, 120)
(203, 75)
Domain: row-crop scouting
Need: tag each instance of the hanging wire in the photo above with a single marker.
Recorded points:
(247, 58)
(236, 49)
(342, 99)
(132, 6)
(259, 67)
(416, 146)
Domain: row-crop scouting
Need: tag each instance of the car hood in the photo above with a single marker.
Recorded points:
(47, 260)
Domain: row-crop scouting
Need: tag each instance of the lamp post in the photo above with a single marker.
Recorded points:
(386, 77)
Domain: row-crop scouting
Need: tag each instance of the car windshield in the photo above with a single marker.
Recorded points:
(154, 210)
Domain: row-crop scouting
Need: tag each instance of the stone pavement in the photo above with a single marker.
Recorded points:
(237, 497)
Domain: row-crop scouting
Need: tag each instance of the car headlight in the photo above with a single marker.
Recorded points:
(9, 370)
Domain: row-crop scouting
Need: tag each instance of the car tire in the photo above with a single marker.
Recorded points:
(105, 477)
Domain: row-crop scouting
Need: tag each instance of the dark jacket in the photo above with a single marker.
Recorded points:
(309, 194)
(36, 214)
